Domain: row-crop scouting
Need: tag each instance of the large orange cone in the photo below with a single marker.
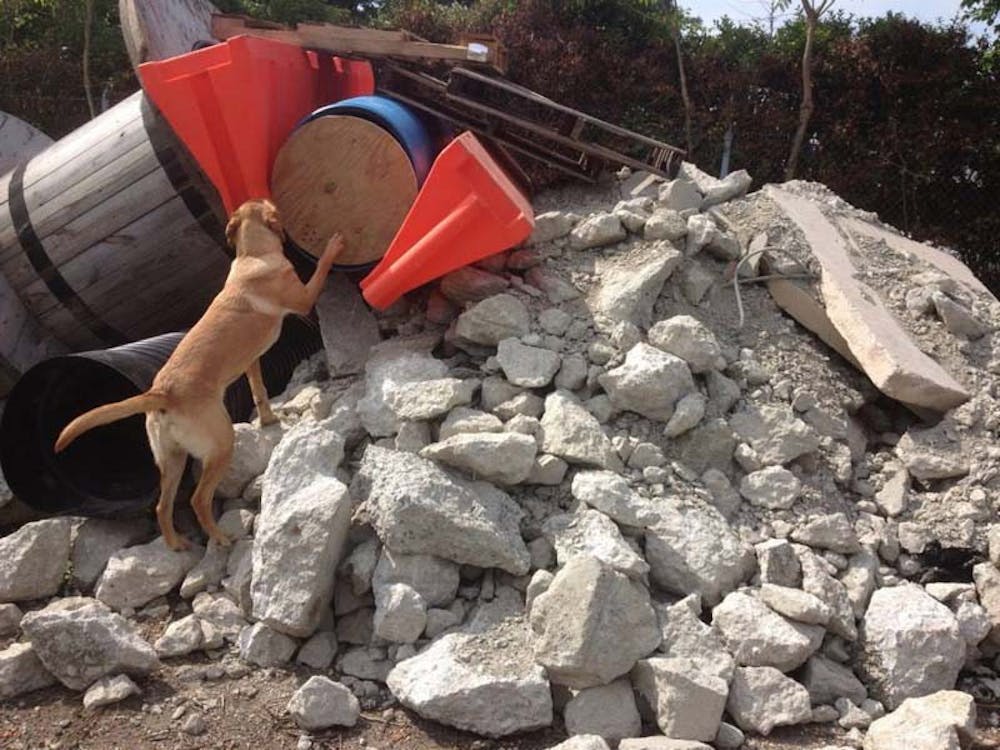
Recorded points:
(467, 209)
(233, 104)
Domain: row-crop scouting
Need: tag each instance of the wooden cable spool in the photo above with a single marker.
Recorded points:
(112, 234)
(341, 173)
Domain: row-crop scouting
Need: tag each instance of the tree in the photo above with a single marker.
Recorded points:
(674, 20)
(986, 11)
(813, 11)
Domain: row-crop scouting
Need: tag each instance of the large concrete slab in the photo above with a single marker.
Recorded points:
(947, 264)
(878, 343)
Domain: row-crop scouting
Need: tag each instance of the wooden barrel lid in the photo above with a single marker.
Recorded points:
(343, 174)
(19, 141)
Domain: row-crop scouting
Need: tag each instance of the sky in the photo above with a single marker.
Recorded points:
(747, 10)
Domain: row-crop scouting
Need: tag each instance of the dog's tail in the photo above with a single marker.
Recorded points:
(144, 402)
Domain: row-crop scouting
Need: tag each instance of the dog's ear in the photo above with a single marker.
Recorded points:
(273, 219)
(233, 227)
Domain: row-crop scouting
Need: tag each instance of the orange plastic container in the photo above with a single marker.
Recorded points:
(467, 209)
(233, 104)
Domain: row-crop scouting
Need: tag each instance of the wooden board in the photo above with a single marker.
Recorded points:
(343, 174)
(158, 29)
(19, 141)
(345, 40)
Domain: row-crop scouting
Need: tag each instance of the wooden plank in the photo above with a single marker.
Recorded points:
(158, 29)
(348, 175)
(343, 40)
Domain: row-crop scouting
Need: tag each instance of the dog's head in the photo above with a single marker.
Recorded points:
(259, 211)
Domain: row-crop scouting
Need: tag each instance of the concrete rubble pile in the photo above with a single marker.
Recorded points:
(567, 487)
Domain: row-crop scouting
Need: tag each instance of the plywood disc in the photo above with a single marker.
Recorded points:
(343, 174)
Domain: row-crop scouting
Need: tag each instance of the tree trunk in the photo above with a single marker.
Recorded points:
(807, 106)
(88, 20)
(685, 97)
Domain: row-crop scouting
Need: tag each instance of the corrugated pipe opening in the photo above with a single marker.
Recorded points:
(109, 472)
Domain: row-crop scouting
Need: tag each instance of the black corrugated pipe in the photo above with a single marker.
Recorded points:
(109, 472)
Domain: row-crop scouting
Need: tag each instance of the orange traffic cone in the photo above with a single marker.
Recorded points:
(233, 104)
(467, 209)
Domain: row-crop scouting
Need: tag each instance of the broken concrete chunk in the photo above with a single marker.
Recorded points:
(945, 720)
(299, 542)
(436, 580)
(322, 703)
(348, 327)
(762, 698)
(463, 420)
(931, 454)
(431, 398)
(688, 412)
(33, 560)
(680, 195)
(108, 690)
(694, 550)
(649, 382)
(265, 647)
(757, 636)
(135, 576)
(470, 284)
(911, 645)
(665, 224)
(684, 702)
(597, 230)
(686, 636)
(827, 681)
(418, 508)
(493, 320)
(884, 350)
(795, 604)
(400, 613)
(464, 681)
(527, 366)
(778, 563)
(628, 293)
(552, 225)
(22, 672)
(775, 433)
(80, 640)
(608, 711)
(774, 487)
(501, 457)
(609, 493)
(832, 531)
(590, 532)
(957, 318)
(689, 339)
(592, 624)
(734, 185)
(571, 432)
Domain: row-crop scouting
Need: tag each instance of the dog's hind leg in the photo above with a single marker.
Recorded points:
(214, 462)
(170, 459)
(259, 392)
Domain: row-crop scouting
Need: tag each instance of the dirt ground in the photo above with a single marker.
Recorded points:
(248, 712)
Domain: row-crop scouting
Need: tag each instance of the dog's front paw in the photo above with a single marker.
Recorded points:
(177, 543)
(334, 247)
(267, 418)
(220, 539)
